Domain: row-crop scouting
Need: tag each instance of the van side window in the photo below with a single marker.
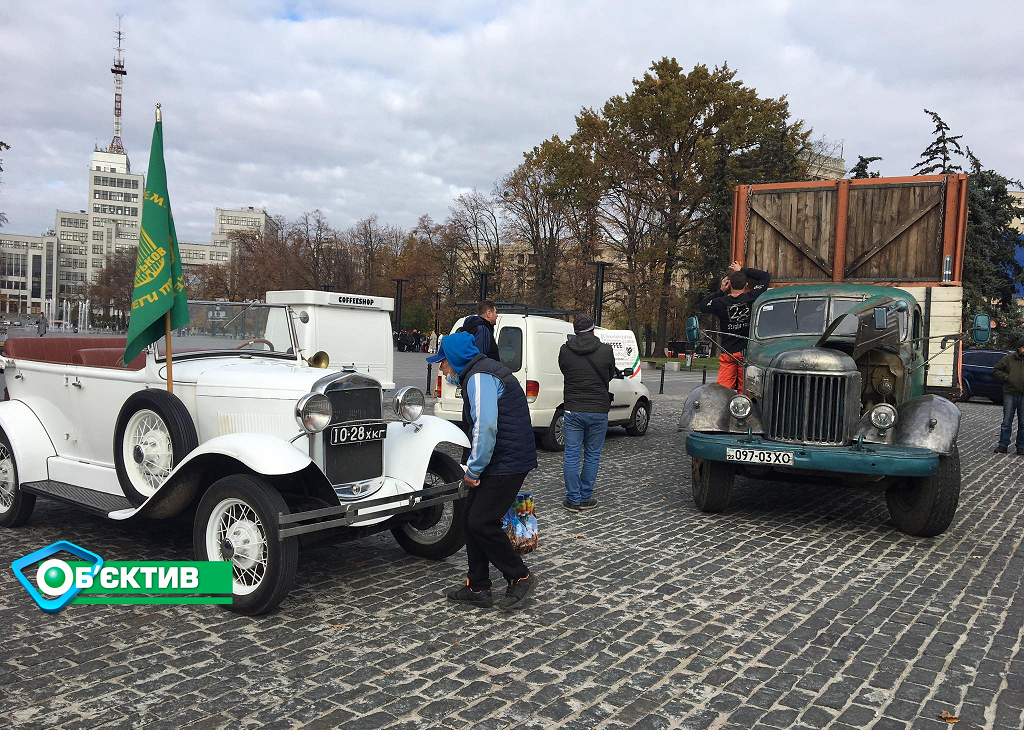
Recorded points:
(510, 348)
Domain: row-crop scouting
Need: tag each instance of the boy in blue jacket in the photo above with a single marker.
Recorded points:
(503, 452)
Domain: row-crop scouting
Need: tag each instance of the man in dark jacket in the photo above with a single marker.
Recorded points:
(481, 326)
(503, 452)
(1011, 371)
(587, 366)
(732, 304)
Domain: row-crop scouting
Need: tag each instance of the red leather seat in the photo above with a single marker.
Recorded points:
(107, 357)
(59, 350)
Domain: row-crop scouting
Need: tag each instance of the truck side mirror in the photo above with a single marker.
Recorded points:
(692, 329)
(982, 329)
(881, 318)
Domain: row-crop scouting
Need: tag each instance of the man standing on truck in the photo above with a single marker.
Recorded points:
(481, 326)
(1011, 371)
(503, 452)
(732, 304)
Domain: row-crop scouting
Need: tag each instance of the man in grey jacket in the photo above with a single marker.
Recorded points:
(587, 366)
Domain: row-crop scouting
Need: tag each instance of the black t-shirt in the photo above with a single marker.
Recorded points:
(734, 312)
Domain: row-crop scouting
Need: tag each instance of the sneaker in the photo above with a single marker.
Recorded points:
(516, 592)
(466, 596)
(573, 507)
(1000, 449)
(588, 503)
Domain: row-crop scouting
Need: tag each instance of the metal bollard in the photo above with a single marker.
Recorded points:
(704, 376)
(661, 388)
(429, 391)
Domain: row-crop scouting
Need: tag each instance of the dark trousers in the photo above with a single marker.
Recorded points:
(486, 543)
(1013, 406)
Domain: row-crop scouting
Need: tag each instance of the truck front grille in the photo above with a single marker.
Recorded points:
(354, 462)
(806, 408)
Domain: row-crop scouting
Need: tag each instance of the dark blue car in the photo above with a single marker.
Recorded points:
(976, 375)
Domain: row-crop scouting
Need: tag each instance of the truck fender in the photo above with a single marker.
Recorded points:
(409, 446)
(28, 438)
(707, 410)
(255, 452)
(928, 421)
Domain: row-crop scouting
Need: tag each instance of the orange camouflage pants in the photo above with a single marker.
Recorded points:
(730, 372)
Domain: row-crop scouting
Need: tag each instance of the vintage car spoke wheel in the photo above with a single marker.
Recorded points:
(15, 505)
(925, 506)
(712, 483)
(154, 432)
(436, 532)
(640, 419)
(554, 438)
(237, 521)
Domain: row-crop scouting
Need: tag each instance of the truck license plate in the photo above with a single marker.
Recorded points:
(357, 433)
(756, 456)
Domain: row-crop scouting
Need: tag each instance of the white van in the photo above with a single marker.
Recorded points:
(528, 346)
(353, 329)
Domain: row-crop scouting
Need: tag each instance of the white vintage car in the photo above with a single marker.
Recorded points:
(272, 452)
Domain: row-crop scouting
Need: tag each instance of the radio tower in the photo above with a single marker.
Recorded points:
(118, 70)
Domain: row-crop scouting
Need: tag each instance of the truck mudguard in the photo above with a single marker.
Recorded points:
(707, 410)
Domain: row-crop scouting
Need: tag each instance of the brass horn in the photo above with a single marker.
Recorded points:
(320, 360)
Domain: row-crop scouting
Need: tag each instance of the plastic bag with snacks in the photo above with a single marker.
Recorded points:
(520, 524)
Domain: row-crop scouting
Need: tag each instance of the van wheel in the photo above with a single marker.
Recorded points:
(554, 438)
(154, 432)
(712, 484)
(237, 521)
(924, 506)
(639, 419)
(437, 531)
(15, 505)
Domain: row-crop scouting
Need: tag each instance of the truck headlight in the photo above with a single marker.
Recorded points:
(313, 412)
(753, 380)
(883, 416)
(739, 406)
(408, 403)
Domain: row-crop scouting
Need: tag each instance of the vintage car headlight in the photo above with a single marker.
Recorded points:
(740, 406)
(408, 403)
(883, 416)
(753, 380)
(313, 412)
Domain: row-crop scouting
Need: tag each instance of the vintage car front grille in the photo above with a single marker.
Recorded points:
(806, 408)
(359, 461)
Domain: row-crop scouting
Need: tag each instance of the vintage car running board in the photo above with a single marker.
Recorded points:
(100, 503)
(348, 515)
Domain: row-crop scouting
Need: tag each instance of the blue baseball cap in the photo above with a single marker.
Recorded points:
(458, 349)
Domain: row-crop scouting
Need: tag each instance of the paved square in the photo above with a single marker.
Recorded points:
(799, 607)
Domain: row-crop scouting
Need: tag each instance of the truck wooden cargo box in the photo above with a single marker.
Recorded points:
(902, 231)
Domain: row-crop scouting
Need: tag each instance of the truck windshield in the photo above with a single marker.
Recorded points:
(246, 327)
(796, 316)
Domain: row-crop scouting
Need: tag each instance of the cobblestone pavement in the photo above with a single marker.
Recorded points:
(799, 607)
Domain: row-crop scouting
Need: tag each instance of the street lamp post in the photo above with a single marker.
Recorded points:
(599, 288)
(484, 276)
(398, 303)
(437, 312)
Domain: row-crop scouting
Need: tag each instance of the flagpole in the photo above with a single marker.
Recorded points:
(167, 314)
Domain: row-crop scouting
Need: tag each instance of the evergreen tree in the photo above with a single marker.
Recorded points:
(991, 270)
(860, 170)
(937, 158)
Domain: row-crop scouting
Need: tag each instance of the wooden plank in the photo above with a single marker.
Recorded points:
(788, 234)
(893, 233)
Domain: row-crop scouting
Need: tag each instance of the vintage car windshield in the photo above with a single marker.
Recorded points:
(806, 316)
(243, 327)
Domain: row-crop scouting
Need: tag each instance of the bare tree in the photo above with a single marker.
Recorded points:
(476, 221)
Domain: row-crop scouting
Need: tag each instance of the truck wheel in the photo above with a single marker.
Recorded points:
(712, 484)
(924, 506)
(154, 432)
(15, 505)
(639, 419)
(554, 438)
(237, 521)
(437, 531)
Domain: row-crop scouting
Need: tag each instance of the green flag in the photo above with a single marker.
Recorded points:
(159, 283)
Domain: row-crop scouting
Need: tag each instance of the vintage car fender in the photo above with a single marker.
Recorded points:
(707, 410)
(260, 453)
(28, 438)
(928, 422)
(409, 446)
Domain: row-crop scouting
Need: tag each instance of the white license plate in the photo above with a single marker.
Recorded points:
(355, 434)
(757, 456)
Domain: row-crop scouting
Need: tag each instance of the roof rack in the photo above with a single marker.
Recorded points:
(527, 309)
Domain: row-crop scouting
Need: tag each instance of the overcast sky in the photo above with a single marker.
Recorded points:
(395, 108)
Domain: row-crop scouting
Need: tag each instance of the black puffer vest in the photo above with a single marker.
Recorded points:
(515, 451)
